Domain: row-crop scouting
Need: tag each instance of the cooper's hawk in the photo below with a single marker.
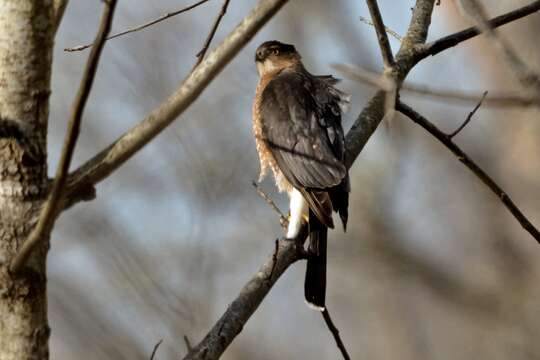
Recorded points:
(297, 128)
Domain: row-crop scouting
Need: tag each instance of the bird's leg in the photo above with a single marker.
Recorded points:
(298, 210)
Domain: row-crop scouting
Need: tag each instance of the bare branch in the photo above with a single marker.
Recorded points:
(141, 27)
(200, 54)
(111, 158)
(528, 78)
(59, 6)
(282, 218)
(374, 79)
(469, 117)
(444, 43)
(464, 158)
(374, 111)
(52, 206)
(154, 351)
(386, 51)
(189, 347)
(240, 310)
(389, 31)
(335, 332)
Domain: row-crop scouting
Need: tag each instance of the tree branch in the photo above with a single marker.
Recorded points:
(154, 351)
(444, 43)
(335, 332)
(469, 117)
(464, 158)
(111, 158)
(59, 6)
(252, 294)
(389, 31)
(374, 111)
(202, 52)
(528, 78)
(140, 27)
(51, 207)
(375, 79)
(386, 51)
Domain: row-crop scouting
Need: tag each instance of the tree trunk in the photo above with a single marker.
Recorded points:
(26, 42)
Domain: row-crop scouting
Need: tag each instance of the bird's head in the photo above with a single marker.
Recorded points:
(274, 56)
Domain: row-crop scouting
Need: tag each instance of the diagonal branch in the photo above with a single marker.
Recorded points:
(469, 117)
(59, 6)
(200, 55)
(140, 27)
(252, 294)
(444, 43)
(115, 155)
(52, 205)
(528, 78)
(374, 111)
(464, 158)
(335, 332)
(388, 30)
(382, 38)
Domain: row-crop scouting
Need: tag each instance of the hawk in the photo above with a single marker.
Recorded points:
(299, 137)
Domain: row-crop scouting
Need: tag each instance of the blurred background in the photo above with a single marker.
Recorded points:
(432, 267)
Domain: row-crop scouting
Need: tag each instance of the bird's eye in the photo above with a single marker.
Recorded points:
(275, 51)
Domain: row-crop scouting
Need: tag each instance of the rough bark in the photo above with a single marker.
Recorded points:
(26, 40)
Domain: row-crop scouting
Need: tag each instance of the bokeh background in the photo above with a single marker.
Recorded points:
(433, 266)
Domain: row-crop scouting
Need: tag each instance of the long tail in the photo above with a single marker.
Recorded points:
(315, 283)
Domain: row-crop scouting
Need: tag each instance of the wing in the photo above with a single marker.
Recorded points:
(302, 127)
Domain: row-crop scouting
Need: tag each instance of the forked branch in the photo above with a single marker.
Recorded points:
(466, 160)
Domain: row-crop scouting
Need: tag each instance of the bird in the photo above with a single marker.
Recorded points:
(299, 137)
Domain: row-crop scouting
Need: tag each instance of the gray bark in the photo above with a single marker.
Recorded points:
(26, 41)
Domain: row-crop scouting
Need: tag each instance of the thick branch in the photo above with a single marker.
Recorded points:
(240, 310)
(444, 43)
(52, 205)
(384, 44)
(110, 159)
(140, 27)
(464, 158)
(374, 111)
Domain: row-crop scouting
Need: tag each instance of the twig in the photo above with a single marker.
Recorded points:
(390, 32)
(155, 349)
(452, 40)
(202, 52)
(380, 29)
(374, 79)
(469, 117)
(528, 78)
(464, 158)
(50, 210)
(111, 158)
(189, 347)
(282, 218)
(335, 332)
(140, 27)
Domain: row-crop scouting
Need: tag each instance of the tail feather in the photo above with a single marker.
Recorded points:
(315, 282)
